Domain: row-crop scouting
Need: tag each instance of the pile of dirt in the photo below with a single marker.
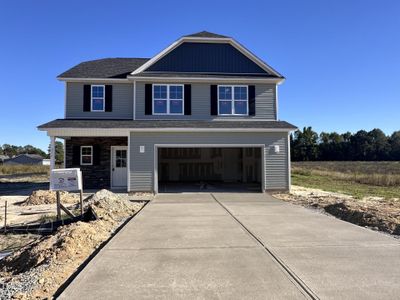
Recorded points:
(39, 269)
(49, 197)
(375, 213)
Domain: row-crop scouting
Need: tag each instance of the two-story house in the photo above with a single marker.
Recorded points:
(201, 114)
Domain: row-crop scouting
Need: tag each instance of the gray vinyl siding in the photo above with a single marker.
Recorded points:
(265, 104)
(122, 107)
(141, 166)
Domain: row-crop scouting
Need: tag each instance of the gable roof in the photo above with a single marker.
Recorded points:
(123, 68)
(206, 34)
(104, 68)
(212, 38)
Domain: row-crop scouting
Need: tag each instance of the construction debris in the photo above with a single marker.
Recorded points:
(49, 197)
(39, 269)
(373, 212)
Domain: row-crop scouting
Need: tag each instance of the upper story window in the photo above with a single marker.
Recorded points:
(97, 101)
(167, 99)
(233, 100)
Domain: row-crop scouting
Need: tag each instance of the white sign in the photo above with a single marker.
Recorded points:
(66, 180)
(141, 149)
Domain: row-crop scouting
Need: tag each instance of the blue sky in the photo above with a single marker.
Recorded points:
(341, 58)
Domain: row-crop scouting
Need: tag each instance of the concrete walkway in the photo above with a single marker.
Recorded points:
(239, 246)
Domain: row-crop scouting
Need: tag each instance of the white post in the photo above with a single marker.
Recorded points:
(52, 152)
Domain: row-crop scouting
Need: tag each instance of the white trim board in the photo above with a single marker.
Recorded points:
(207, 79)
(180, 79)
(90, 132)
(99, 80)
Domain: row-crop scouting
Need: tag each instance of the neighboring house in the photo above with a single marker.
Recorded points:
(26, 159)
(203, 110)
(3, 158)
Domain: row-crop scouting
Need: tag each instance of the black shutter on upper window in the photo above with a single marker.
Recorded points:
(76, 155)
(214, 100)
(148, 99)
(86, 97)
(108, 98)
(252, 100)
(188, 99)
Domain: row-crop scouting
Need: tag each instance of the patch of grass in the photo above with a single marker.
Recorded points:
(23, 169)
(359, 179)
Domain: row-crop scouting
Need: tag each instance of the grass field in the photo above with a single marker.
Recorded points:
(23, 169)
(359, 179)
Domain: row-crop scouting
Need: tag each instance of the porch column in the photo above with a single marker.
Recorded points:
(52, 152)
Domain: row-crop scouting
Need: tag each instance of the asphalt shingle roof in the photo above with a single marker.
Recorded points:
(105, 68)
(122, 67)
(206, 34)
(86, 123)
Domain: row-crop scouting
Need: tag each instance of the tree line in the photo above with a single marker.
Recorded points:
(12, 150)
(375, 145)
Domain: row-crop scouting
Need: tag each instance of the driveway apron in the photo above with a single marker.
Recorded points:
(239, 246)
(183, 246)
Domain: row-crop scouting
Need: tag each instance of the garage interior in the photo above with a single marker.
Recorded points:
(209, 169)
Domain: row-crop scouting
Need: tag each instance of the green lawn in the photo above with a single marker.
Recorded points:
(310, 175)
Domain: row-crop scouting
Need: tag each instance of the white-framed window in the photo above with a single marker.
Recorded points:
(97, 102)
(233, 100)
(168, 99)
(86, 155)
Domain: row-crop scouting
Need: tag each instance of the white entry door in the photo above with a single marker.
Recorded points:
(119, 163)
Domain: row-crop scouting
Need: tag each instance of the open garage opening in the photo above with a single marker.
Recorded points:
(209, 169)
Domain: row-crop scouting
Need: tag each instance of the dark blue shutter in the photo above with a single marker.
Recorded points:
(108, 98)
(87, 91)
(96, 155)
(214, 100)
(188, 99)
(76, 155)
(148, 99)
(252, 100)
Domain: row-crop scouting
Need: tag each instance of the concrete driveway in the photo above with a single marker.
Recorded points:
(239, 246)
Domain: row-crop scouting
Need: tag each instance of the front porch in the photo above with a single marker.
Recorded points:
(103, 161)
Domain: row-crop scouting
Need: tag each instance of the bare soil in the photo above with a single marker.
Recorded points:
(374, 212)
(36, 271)
(49, 197)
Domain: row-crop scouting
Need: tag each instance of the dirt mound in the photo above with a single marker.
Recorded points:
(49, 197)
(375, 213)
(109, 206)
(37, 270)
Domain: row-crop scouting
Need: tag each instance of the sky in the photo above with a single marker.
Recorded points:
(341, 59)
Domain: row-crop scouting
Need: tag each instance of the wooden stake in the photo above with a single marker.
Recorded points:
(58, 205)
(68, 212)
(5, 217)
(81, 201)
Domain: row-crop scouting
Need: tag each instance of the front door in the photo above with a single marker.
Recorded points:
(119, 166)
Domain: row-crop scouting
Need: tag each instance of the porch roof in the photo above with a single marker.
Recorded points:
(161, 124)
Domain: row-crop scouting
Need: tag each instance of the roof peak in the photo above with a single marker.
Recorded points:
(206, 34)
